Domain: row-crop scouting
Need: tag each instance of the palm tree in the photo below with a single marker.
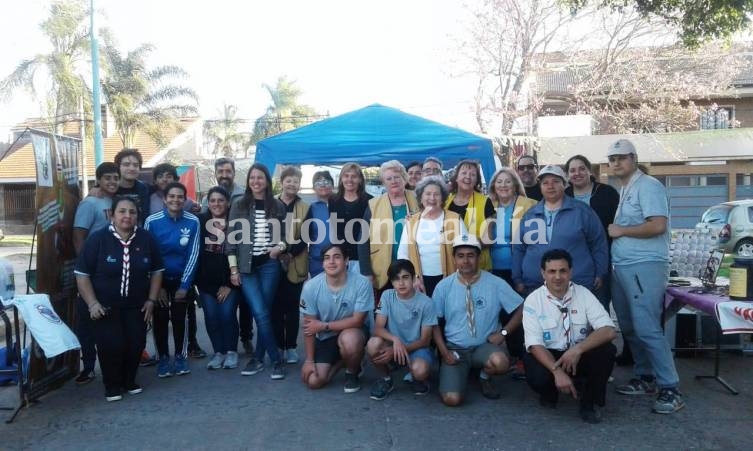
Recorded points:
(224, 133)
(144, 99)
(66, 28)
(284, 113)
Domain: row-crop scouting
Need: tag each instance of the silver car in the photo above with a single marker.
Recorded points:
(732, 224)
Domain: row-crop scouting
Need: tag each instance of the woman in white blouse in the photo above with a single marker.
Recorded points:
(427, 238)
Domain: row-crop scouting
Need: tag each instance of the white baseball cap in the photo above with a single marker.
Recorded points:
(552, 169)
(466, 240)
(621, 147)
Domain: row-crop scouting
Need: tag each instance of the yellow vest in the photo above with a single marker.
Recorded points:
(382, 238)
(475, 222)
(450, 226)
(298, 268)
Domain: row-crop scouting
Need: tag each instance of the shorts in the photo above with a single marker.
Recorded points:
(423, 354)
(454, 378)
(327, 351)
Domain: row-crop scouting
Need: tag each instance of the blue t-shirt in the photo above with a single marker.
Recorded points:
(321, 302)
(406, 317)
(490, 295)
(92, 213)
(644, 198)
(585, 198)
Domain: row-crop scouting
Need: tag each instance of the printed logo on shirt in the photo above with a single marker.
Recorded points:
(583, 331)
(574, 312)
(109, 259)
(547, 336)
(414, 313)
(185, 235)
(47, 313)
(302, 304)
(480, 303)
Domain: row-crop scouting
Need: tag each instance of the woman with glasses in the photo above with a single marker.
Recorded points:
(470, 204)
(559, 222)
(386, 216)
(318, 231)
(428, 235)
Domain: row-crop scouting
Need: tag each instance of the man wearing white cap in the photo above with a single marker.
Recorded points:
(468, 305)
(640, 257)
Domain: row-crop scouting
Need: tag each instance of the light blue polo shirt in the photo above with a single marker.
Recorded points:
(318, 300)
(646, 197)
(406, 317)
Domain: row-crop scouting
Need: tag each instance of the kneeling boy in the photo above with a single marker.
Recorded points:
(404, 322)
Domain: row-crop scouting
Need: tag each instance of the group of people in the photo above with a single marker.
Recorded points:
(432, 272)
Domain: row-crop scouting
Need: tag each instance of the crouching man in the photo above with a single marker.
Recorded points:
(470, 301)
(568, 335)
(404, 322)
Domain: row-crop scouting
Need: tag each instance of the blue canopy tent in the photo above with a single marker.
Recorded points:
(372, 135)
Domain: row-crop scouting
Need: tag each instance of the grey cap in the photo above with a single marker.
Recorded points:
(552, 169)
(621, 147)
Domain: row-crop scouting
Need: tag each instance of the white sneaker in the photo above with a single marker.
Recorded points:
(231, 360)
(216, 362)
(292, 356)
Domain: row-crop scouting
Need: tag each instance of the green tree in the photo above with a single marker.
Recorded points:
(67, 31)
(145, 99)
(224, 134)
(284, 112)
(698, 21)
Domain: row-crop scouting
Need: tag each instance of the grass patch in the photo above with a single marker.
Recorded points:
(726, 262)
(16, 240)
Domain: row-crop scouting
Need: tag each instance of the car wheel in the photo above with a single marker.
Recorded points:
(744, 247)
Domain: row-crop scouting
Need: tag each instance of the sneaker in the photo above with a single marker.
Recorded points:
(292, 357)
(147, 359)
(111, 396)
(408, 378)
(134, 389)
(85, 377)
(278, 371)
(164, 369)
(195, 352)
(519, 371)
(668, 401)
(419, 388)
(352, 383)
(248, 347)
(381, 389)
(590, 415)
(252, 367)
(215, 363)
(488, 389)
(637, 387)
(181, 365)
(231, 360)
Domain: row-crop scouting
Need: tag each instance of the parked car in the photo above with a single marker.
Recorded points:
(732, 224)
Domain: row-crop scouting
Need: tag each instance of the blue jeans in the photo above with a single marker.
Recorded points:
(638, 298)
(220, 319)
(259, 289)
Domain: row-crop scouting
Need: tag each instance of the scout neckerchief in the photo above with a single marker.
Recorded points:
(125, 275)
(563, 305)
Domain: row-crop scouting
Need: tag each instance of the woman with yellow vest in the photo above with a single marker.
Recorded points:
(386, 217)
(470, 204)
(428, 235)
(508, 196)
(285, 314)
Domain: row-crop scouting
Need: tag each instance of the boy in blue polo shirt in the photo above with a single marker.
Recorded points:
(404, 322)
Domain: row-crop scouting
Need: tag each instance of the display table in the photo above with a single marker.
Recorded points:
(732, 317)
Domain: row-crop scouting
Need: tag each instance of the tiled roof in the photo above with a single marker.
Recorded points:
(20, 164)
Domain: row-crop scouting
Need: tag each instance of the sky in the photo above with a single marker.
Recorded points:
(343, 54)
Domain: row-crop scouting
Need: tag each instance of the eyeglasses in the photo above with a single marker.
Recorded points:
(322, 183)
(526, 167)
(431, 171)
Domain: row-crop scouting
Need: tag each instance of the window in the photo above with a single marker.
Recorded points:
(743, 179)
(717, 117)
(716, 180)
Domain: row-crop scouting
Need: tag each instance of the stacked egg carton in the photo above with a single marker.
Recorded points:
(689, 251)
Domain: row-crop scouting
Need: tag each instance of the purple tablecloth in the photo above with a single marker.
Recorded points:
(734, 317)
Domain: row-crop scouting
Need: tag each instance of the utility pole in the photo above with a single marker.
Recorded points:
(82, 129)
(99, 153)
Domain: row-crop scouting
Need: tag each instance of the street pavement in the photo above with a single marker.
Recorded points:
(223, 410)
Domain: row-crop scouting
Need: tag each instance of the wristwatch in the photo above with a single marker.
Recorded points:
(282, 246)
(503, 332)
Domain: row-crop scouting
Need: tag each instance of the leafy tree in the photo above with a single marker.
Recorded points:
(145, 99)
(224, 134)
(284, 112)
(67, 31)
(698, 21)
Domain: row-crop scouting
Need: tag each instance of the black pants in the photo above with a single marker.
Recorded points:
(120, 337)
(594, 369)
(430, 282)
(286, 313)
(175, 314)
(245, 325)
(191, 313)
(85, 335)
